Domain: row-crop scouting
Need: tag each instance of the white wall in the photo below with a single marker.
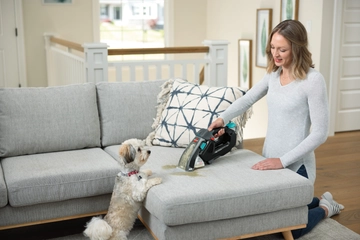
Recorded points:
(189, 22)
(72, 21)
(185, 26)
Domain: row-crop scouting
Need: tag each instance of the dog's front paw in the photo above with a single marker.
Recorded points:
(148, 172)
(153, 181)
(156, 181)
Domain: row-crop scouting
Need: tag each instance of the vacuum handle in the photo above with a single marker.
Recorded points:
(208, 135)
(220, 147)
(216, 130)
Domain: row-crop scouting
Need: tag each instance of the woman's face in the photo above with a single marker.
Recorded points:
(281, 51)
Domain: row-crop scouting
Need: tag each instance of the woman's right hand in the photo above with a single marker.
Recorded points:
(219, 122)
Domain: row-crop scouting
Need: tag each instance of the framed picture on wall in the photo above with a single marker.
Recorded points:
(263, 28)
(245, 61)
(289, 10)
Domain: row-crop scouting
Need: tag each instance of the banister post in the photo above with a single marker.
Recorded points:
(96, 62)
(47, 37)
(217, 68)
(49, 64)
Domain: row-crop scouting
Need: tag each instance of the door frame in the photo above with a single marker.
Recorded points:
(335, 64)
(20, 42)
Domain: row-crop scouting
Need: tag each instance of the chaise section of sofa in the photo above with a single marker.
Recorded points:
(225, 199)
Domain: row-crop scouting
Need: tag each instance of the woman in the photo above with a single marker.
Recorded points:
(297, 101)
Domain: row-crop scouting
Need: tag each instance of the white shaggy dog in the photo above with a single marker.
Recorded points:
(129, 192)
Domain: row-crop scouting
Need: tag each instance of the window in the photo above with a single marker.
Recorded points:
(117, 13)
(132, 24)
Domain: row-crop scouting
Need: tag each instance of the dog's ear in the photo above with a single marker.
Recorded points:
(128, 152)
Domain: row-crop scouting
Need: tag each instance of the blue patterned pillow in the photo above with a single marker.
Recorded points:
(190, 107)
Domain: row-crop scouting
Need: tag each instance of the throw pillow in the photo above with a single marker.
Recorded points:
(184, 108)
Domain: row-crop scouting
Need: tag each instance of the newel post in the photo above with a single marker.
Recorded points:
(217, 68)
(49, 64)
(96, 62)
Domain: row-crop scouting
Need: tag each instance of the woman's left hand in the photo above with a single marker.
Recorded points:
(268, 164)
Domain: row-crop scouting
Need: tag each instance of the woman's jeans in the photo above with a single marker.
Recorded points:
(315, 215)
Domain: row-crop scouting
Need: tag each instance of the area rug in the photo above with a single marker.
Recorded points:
(327, 230)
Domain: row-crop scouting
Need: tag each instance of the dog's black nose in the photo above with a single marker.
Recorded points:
(148, 151)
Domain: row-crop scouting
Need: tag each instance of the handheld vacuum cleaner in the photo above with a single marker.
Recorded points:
(204, 148)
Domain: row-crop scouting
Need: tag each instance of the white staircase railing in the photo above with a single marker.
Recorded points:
(63, 66)
(157, 69)
(89, 63)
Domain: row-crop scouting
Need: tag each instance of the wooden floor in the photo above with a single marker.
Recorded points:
(338, 171)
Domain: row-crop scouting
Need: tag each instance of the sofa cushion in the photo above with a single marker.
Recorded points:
(3, 190)
(184, 108)
(127, 109)
(227, 188)
(58, 176)
(36, 120)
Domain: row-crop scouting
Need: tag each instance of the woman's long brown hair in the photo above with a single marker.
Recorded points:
(295, 32)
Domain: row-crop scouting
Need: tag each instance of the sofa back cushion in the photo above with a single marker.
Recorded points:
(127, 110)
(36, 120)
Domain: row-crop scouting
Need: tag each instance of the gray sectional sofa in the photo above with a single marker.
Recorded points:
(57, 152)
